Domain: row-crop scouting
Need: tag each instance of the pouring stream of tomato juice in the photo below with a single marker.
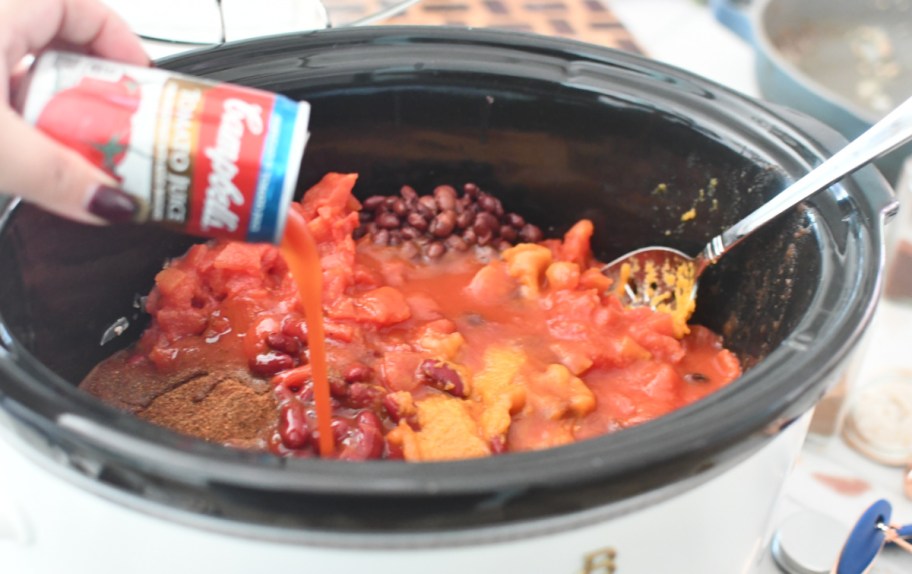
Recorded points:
(300, 252)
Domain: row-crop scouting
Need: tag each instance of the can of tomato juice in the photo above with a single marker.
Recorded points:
(202, 157)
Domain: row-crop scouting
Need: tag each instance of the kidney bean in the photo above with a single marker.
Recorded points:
(399, 406)
(443, 224)
(443, 377)
(293, 428)
(296, 328)
(338, 388)
(285, 343)
(365, 441)
(498, 445)
(365, 395)
(340, 429)
(270, 363)
(357, 373)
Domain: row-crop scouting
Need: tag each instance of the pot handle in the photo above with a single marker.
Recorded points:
(736, 16)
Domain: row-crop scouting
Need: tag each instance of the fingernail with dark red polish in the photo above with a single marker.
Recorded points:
(113, 205)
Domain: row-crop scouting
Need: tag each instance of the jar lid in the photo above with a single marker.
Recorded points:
(878, 423)
(808, 542)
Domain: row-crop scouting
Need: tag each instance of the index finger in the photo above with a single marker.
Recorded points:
(31, 25)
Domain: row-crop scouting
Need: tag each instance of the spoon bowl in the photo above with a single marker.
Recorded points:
(666, 279)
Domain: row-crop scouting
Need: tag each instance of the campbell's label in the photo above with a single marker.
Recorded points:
(207, 158)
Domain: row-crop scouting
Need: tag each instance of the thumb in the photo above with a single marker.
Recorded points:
(46, 173)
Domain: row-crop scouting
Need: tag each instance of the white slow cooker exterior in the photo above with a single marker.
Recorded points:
(54, 521)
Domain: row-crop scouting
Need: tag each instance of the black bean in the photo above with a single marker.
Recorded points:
(488, 203)
(399, 207)
(443, 224)
(469, 237)
(531, 233)
(456, 243)
(429, 204)
(485, 224)
(409, 232)
(381, 237)
(387, 220)
(465, 219)
(508, 233)
(415, 220)
(408, 193)
(435, 250)
(485, 239)
(515, 220)
(410, 250)
(470, 189)
(373, 202)
(445, 196)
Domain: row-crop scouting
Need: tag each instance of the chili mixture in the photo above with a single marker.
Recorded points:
(453, 329)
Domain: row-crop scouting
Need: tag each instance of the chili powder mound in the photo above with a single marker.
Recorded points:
(453, 330)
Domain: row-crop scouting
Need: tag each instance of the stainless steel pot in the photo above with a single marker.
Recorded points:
(845, 62)
(561, 130)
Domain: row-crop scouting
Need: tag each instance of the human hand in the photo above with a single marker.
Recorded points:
(32, 164)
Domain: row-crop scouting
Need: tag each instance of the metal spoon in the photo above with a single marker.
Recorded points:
(666, 279)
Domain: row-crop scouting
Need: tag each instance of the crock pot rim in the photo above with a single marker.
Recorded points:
(612, 456)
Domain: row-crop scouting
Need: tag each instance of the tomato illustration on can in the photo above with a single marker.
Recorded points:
(93, 118)
(206, 158)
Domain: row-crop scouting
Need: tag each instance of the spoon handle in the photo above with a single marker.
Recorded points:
(889, 133)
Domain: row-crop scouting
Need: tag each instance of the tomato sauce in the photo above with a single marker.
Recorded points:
(475, 353)
(300, 253)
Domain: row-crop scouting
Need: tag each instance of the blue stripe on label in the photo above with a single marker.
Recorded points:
(264, 214)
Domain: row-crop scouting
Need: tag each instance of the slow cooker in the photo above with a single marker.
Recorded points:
(559, 130)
